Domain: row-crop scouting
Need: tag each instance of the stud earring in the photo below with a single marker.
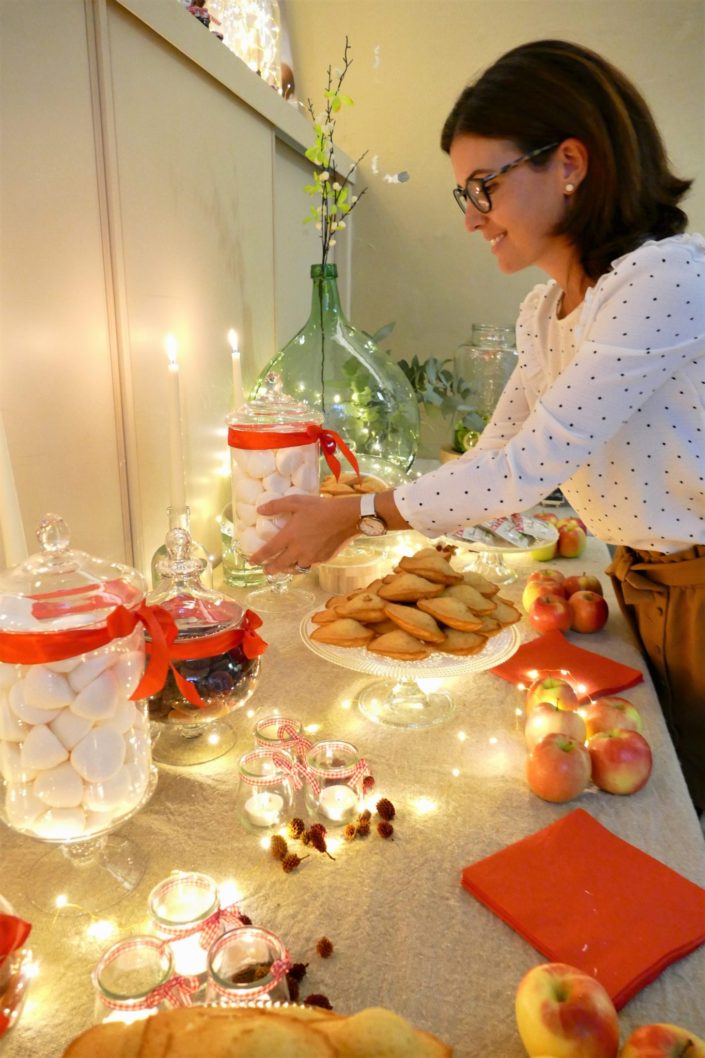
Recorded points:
(569, 189)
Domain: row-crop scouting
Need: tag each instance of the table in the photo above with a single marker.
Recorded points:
(406, 935)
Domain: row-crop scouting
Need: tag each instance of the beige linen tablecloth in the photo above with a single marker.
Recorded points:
(405, 934)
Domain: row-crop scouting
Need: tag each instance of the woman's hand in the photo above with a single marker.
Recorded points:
(317, 528)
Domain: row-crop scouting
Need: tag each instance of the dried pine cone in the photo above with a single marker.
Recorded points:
(245, 920)
(324, 947)
(292, 861)
(385, 829)
(295, 827)
(317, 1000)
(367, 784)
(365, 816)
(298, 971)
(293, 986)
(350, 832)
(278, 846)
(306, 837)
(385, 809)
(318, 828)
(318, 841)
(363, 828)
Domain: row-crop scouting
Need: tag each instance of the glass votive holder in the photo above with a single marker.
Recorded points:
(335, 771)
(266, 790)
(247, 965)
(283, 733)
(131, 979)
(181, 906)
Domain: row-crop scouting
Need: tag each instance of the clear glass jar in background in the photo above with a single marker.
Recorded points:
(335, 771)
(180, 905)
(180, 518)
(282, 733)
(247, 965)
(484, 364)
(127, 975)
(252, 30)
(266, 790)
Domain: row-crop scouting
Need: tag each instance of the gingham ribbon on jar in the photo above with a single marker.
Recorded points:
(177, 990)
(294, 770)
(229, 917)
(352, 775)
(286, 731)
(278, 969)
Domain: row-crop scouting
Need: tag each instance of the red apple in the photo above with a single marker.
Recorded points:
(621, 761)
(609, 714)
(564, 1012)
(572, 521)
(584, 582)
(549, 613)
(662, 1041)
(548, 516)
(537, 587)
(549, 573)
(552, 687)
(547, 719)
(572, 539)
(558, 768)
(588, 611)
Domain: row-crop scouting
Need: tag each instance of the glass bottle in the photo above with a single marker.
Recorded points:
(222, 674)
(360, 391)
(247, 965)
(180, 518)
(484, 364)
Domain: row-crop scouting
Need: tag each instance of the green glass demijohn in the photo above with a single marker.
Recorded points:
(361, 392)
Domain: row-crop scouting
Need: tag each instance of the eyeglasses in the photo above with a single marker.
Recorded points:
(477, 188)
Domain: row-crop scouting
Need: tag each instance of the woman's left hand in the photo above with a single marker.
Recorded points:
(317, 528)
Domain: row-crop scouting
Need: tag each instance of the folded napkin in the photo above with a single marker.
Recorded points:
(583, 896)
(597, 674)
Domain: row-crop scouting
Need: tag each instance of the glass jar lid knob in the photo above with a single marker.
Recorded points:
(53, 534)
(179, 562)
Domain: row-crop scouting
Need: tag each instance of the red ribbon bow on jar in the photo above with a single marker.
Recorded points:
(177, 991)
(310, 433)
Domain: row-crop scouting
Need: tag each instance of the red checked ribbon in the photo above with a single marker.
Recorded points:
(177, 991)
(277, 970)
(310, 433)
(288, 735)
(291, 768)
(210, 929)
(352, 776)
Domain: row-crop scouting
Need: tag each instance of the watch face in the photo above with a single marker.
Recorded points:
(371, 525)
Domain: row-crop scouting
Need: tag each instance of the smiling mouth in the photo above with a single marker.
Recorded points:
(497, 239)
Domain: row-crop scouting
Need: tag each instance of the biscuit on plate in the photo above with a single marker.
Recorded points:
(480, 583)
(451, 612)
(344, 632)
(462, 643)
(407, 587)
(431, 564)
(505, 612)
(399, 645)
(415, 622)
(365, 607)
(471, 597)
(324, 617)
(489, 626)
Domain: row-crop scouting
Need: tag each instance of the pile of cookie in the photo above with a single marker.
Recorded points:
(424, 606)
(350, 484)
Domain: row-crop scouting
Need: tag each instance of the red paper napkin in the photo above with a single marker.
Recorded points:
(599, 675)
(583, 896)
(13, 933)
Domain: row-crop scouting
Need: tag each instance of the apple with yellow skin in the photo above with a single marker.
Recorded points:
(565, 1012)
(545, 719)
(549, 573)
(611, 714)
(540, 586)
(663, 1041)
(553, 688)
(621, 761)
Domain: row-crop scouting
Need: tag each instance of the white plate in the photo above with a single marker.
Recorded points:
(542, 534)
(499, 648)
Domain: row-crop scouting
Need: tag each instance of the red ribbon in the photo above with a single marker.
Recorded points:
(310, 433)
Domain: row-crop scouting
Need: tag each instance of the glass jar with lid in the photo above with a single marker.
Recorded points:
(274, 453)
(75, 748)
(484, 364)
(214, 660)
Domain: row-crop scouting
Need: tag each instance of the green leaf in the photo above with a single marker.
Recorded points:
(383, 332)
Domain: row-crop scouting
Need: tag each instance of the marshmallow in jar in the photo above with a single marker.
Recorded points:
(75, 751)
(274, 453)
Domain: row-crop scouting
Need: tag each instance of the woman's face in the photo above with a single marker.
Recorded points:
(527, 204)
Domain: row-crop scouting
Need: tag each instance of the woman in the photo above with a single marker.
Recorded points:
(559, 164)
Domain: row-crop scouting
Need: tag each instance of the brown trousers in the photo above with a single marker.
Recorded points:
(663, 598)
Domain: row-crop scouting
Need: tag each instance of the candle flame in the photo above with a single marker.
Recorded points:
(232, 340)
(171, 348)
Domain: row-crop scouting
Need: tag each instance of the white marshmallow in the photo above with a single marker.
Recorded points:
(295, 491)
(44, 689)
(26, 712)
(246, 489)
(22, 805)
(306, 478)
(265, 528)
(109, 795)
(8, 674)
(139, 779)
(42, 749)
(250, 541)
(59, 787)
(60, 824)
(99, 699)
(278, 483)
(138, 746)
(65, 666)
(70, 728)
(311, 455)
(91, 667)
(246, 514)
(122, 719)
(11, 766)
(11, 727)
(255, 464)
(268, 497)
(128, 670)
(99, 755)
(288, 459)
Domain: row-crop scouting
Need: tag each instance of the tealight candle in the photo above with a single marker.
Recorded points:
(268, 779)
(338, 803)
(335, 773)
(179, 906)
(264, 809)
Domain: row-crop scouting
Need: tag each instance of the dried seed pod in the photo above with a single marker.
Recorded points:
(363, 828)
(318, 1000)
(324, 947)
(350, 832)
(291, 862)
(298, 970)
(385, 829)
(385, 809)
(295, 827)
(278, 846)
(365, 816)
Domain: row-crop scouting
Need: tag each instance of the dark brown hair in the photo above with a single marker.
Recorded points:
(549, 90)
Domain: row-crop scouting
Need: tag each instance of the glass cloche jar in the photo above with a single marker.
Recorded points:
(75, 749)
(214, 660)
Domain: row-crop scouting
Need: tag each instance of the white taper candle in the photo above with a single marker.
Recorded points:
(177, 490)
(13, 538)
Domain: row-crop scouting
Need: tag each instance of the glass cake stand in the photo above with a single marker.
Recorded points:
(398, 699)
(488, 557)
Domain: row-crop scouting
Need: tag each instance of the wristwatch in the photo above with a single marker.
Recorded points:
(370, 522)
